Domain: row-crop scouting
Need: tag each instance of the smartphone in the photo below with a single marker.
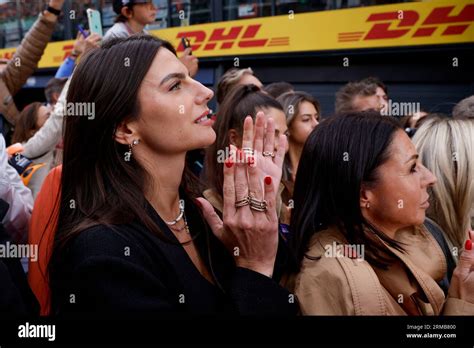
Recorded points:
(95, 24)
(185, 42)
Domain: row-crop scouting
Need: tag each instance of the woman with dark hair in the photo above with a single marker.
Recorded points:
(302, 113)
(244, 100)
(133, 235)
(360, 243)
(31, 119)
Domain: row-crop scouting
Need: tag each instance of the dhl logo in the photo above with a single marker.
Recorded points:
(242, 36)
(423, 22)
(67, 48)
(406, 21)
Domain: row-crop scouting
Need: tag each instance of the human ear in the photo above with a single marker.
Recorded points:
(127, 12)
(366, 197)
(126, 132)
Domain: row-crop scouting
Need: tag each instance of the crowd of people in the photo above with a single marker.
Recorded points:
(290, 211)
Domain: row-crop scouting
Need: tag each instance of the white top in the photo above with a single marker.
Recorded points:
(119, 29)
(46, 138)
(17, 195)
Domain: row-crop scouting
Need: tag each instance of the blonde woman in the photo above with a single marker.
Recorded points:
(446, 148)
(235, 77)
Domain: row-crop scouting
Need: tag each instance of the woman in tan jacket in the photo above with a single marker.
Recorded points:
(361, 246)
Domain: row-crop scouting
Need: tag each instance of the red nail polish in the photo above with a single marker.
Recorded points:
(268, 180)
(468, 245)
(198, 203)
(229, 163)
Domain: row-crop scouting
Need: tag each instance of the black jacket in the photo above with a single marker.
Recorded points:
(126, 269)
(16, 297)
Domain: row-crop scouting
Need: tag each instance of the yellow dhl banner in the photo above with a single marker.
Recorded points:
(403, 24)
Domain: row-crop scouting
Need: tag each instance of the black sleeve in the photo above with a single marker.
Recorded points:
(101, 279)
(255, 294)
(11, 303)
(16, 297)
(112, 286)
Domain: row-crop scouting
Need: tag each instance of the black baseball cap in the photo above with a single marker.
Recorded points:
(118, 4)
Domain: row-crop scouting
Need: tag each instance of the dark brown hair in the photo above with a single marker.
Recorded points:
(121, 19)
(26, 123)
(54, 85)
(294, 100)
(276, 89)
(105, 189)
(327, 188)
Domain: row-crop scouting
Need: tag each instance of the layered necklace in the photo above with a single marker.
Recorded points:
(181, 216)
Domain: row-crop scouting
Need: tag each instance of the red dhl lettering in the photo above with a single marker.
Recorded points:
(7, 55)
(406, 21)
(68, 50)
(225, 37)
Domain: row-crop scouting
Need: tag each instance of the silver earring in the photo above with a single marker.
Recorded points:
(129, 153)
(134, 143)
(367, 205)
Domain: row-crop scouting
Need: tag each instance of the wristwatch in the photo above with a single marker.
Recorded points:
(53, 10)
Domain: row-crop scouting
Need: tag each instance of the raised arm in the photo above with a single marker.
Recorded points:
(28, 54)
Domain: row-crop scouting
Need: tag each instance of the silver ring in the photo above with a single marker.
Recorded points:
(248, 150)
(242, 202)
(257, 205)
(268, 154)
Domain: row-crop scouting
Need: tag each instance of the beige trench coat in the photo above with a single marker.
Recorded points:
(340, 285)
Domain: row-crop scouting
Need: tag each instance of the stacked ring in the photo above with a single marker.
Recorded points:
(257, 205)
(268, 154)
(248, 151)
(242, 202)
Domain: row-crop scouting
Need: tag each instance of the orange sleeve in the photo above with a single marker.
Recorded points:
(41, 233)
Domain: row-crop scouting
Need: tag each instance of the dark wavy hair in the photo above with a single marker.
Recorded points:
(104, 188)
(243, 100)
(327, 187)
(25, 125)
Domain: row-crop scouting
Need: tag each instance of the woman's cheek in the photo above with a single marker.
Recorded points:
(304, 130)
